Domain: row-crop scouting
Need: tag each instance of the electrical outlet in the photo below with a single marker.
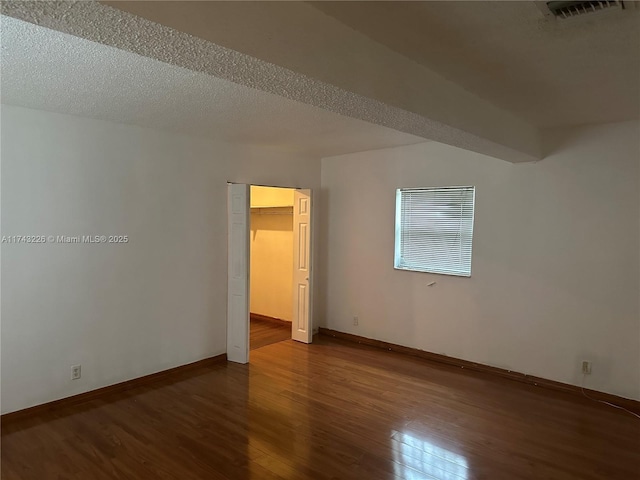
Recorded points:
(355, 321)
(586, 367)
(76, 372)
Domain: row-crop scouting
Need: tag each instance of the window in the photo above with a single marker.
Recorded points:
(434, 229)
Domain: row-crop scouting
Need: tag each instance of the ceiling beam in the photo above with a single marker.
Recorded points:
(293, 50)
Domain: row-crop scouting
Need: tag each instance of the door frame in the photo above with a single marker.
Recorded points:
(232, 319)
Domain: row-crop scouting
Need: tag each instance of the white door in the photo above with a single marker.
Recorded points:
(238, 273)
(301, 328)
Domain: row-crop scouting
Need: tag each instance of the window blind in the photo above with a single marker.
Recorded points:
(434, 229)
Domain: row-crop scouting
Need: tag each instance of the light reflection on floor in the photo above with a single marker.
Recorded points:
(417, 458)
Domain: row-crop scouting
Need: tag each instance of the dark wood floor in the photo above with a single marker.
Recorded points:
(267, 332)
(330, 410)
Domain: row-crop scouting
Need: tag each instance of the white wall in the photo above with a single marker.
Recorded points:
(556, 263)
(271, 245)
(122, 311)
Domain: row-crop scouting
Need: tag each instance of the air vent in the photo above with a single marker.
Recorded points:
(572, 9)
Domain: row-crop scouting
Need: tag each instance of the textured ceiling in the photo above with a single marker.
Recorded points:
(551, 72)
(350, 75)
(63, 73)
(478, 75)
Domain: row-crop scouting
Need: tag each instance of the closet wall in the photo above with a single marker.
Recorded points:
(272, 252)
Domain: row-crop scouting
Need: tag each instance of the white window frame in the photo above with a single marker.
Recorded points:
(401, 263)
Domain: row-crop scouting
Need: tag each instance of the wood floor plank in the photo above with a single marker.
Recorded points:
(330, 410)
(267, 332)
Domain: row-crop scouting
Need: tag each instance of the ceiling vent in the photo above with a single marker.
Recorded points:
(575, 8)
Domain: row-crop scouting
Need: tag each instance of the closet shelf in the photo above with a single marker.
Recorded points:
(273, 210)
(271, 206)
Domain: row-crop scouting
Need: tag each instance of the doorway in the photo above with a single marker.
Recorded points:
(271, 265)
(274, 225)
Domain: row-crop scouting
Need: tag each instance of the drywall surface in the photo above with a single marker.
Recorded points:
(116, 85)
(271, 196)
(272, 252)
(347, 73)
(272, 263)
(555, 271)
(121, 310)
(503, 49)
